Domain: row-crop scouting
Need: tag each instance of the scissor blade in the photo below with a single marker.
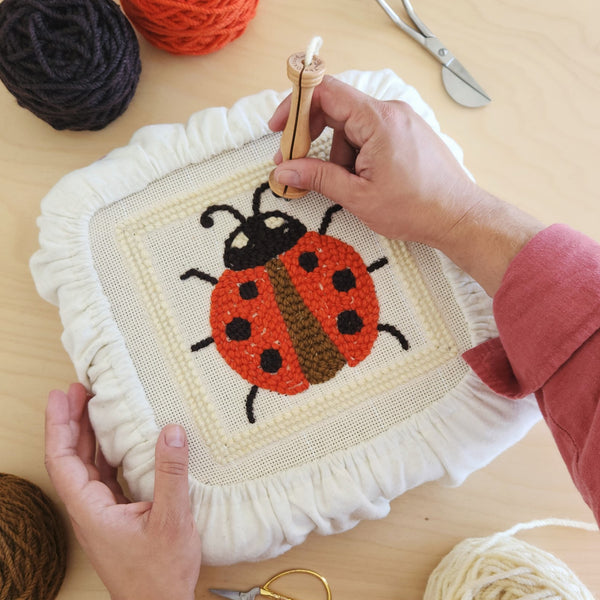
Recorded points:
(233, 595)
(462, 87)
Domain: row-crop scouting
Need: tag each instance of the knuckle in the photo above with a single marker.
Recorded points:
(366, 119)
(171, 467)
(318, 178)
(396, 111)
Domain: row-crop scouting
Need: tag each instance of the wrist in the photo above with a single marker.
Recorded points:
(484, 240)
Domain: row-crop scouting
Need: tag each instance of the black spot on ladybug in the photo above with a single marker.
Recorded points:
(343, 280)
(308, 261)
(349, 323)
(270, 360)
(248, 290)
(238, 329)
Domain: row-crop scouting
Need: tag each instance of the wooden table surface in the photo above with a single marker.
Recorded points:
(537, 145)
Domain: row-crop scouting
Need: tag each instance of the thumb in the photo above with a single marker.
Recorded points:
(329, 179)
(171, 490)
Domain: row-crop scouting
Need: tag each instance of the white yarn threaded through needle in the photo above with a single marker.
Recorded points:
(501, 567)
(312, 50)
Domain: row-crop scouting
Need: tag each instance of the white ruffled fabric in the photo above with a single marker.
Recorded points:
(260, 518)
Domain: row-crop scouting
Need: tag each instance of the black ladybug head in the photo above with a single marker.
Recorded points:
(258, 238)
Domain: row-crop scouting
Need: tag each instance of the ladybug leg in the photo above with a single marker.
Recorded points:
(326, 222)
(250, 403)
(199, 275)
(380, 262)
(256, 197)
(201, 344)
(397, 334)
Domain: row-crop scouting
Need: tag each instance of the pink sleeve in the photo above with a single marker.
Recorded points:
(548, 315)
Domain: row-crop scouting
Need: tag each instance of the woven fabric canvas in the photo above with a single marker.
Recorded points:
(316, 382)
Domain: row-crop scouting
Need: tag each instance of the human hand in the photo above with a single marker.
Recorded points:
(148, 550)
(389, 168)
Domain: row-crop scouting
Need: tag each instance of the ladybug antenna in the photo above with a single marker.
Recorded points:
(206, 220)
(256, 198)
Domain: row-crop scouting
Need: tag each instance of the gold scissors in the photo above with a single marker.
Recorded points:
(265, 589)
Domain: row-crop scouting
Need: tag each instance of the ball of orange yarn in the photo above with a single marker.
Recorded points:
(190, 26)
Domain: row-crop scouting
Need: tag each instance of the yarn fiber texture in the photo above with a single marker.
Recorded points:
(33, 553)
(73, 63)
(190, 26)
(501, 567)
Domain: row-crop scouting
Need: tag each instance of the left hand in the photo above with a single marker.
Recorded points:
(147, 550)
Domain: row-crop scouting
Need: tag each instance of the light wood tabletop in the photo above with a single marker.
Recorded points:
(536, 145)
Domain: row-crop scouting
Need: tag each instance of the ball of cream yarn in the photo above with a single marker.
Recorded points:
(501, 567)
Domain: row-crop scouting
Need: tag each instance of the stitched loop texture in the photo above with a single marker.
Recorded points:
(73, 63)
(33, 553)
(190, 26)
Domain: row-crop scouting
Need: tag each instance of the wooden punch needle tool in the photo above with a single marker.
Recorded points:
(305, 70)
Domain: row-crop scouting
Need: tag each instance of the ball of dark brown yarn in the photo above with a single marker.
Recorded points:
(73, 63)
(32, 542)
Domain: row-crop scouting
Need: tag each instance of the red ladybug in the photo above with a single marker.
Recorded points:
(293, 306)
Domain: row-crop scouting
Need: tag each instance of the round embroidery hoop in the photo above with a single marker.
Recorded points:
(320, 460)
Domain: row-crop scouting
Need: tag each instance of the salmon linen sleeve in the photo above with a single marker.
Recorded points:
(548, 315)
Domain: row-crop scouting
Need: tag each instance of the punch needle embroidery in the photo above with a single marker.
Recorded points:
(293, 306)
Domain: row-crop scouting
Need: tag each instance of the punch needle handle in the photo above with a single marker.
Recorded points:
(305, 70)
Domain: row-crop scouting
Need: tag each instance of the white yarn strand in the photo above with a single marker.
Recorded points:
(312, 50)
(501, 567)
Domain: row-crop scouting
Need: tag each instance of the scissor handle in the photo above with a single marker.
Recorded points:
(423, 31)
(266, 591)
(410, 11)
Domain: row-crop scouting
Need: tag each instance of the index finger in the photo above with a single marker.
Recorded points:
(67, 471)
(334, 103)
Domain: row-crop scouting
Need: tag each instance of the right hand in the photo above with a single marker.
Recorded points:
(387, 165)
(390, 169)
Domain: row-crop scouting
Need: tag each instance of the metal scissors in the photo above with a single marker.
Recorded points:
(459, 84)
(265, 589)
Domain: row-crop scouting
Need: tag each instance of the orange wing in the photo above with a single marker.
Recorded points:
(334, 283)
(250, 334)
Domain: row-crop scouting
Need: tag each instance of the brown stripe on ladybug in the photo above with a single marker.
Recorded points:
(318, 356)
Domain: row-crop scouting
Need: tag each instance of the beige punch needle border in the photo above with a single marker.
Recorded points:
(131, 236)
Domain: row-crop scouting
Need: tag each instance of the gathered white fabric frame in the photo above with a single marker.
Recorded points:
(115, 238)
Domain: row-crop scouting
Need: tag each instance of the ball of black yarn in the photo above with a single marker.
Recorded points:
(73, 63)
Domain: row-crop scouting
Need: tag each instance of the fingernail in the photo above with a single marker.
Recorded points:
(174, 436)
(287, 177)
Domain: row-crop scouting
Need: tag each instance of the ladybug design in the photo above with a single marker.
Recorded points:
(293, 306)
